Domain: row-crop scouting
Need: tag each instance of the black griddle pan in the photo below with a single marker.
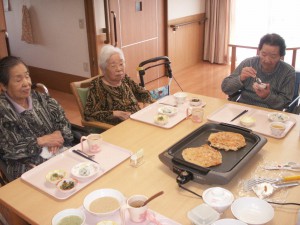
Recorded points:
(200, 137)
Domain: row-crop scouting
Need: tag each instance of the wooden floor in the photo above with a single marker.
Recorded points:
(203, 78)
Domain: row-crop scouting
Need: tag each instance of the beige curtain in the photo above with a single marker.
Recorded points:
(27, 35)
(216, 37)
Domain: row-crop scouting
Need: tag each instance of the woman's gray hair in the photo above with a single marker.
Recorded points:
(106, 52)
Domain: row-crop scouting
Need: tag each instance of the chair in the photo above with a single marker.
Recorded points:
(291, 108)
(80, 91)
(161, 60)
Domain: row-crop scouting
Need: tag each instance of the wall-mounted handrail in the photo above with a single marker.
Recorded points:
(176, 26)
(234, 47)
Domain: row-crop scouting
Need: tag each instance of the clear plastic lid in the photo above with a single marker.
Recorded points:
(203, 215)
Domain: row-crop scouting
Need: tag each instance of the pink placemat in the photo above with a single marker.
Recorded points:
(147, 114)
(109, 157)
(229, 111)
(153, 218)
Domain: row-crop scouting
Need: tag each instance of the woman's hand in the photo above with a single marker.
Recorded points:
(122, 115)
(247, 72)
(53, 141)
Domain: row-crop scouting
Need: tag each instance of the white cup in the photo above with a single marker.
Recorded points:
(180, 97)
(137, 212)
(94, 142)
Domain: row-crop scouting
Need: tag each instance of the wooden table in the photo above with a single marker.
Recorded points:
(29, 205)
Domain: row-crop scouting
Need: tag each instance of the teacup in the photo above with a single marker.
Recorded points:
(277, 128)
(180, 97)
(196, 114)
(137, 211)
(94, 142)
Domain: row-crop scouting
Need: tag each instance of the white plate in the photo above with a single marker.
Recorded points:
(85, 170)
(55, 175)
(168, 110)
(252, 210)
(229, 222)
(278, 117)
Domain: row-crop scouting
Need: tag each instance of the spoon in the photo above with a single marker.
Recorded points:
(153, 197)
(258, 80)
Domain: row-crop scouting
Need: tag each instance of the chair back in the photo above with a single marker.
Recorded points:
(80, 90)
(161, 60)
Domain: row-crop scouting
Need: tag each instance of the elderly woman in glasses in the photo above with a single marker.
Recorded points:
(113, 97)
(33, 126)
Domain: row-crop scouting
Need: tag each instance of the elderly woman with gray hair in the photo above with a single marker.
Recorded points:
(113, 97)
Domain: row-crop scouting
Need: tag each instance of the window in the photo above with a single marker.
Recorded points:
(252, 19)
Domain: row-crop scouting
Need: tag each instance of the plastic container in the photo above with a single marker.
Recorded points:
(203, 215)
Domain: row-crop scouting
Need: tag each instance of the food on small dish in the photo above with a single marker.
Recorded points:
(247, 121)
(67, 185)
(195, 101)
(55, 175)
(85, 170)
(168, 110)
(69, 216)
(252, 210)
(161, 119)
(103, 202)
(227, 140)
(277, 128)
(278, 117)
(204, 156)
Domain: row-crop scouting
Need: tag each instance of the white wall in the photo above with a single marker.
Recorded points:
(183, 8)
(60, 45)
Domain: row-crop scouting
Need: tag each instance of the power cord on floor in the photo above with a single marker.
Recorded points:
(177, 83)
(284, 203)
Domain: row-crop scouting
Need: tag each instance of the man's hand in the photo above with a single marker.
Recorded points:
(260, 90)
(247, 72)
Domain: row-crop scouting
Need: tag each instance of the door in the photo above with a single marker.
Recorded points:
(138, 28)
(3, 44)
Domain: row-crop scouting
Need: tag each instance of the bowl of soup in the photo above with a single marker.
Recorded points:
(69, 216)
(103, 202)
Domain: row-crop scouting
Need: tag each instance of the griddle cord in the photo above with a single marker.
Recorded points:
(183, 178)
(184, 188)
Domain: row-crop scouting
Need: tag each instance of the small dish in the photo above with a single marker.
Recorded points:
(112, 201)
(247, 121)
(252, 210)
(195, 102)
(55, 175)
(168, 110)
(229, 222)
(67, 185)
(69, 216)
(161, 119)
(277, 128)
(278, 117)
(85, 170)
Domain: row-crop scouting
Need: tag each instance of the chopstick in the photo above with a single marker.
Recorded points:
(162, 103)
(78, 152)
(242, 113)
